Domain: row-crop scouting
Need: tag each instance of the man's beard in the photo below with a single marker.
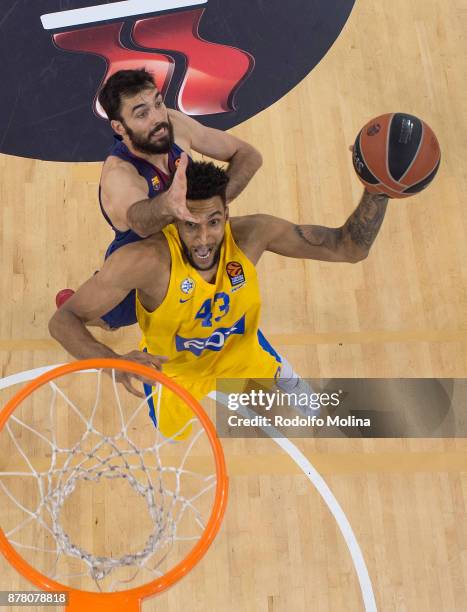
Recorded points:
(144, 144)
(193, 264)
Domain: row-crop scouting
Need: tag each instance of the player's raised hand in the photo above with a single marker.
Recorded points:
(176, 195)
(126, 378)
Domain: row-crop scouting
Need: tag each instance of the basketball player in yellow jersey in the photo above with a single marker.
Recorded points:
(198, 301)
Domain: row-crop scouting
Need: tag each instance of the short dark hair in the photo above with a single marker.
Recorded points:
(123, 83)
(206, 180)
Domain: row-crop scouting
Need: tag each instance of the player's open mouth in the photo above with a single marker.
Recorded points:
(160, 132)
(203, 253)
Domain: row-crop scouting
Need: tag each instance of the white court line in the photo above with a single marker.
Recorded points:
(28, 375)
(304, 464)
(116, 10)
(318, 481)
(20, 377)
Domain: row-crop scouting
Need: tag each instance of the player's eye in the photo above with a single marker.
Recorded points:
(214, 222)
(141, 115)
(190, 224)
(158, 102)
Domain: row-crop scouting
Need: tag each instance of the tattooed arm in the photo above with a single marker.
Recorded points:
(350, 243)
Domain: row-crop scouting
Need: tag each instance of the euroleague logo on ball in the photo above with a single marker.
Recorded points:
(220, 61)
(373, 129)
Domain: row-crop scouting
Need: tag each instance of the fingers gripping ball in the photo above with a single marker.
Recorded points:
(396, 154)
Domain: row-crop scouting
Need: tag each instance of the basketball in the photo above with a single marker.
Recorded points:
(396, 154)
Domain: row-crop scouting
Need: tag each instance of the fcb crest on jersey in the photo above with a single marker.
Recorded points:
(156, 182)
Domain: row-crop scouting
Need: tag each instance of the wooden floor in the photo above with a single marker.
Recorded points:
(400, 313)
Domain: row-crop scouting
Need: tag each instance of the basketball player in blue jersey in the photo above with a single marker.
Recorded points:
(198, 302)
(140, 190)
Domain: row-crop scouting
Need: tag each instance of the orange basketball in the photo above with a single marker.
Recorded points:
(396, 154)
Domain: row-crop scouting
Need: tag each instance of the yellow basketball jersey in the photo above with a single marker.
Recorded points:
(209, 330)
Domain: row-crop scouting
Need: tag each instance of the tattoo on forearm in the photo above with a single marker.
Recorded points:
(318, 236)
(363, 225)
(356, 236)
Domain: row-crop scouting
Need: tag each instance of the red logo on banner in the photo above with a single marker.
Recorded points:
(213, 71)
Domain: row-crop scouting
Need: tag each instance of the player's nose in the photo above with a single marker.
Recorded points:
(203, 235)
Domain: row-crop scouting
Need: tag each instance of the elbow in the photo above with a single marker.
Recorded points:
(136, 227)
(53, 325)
(353, 250)
(139, 231)
(59, 323)
(356, 256)
(348, 249)
(255, 159)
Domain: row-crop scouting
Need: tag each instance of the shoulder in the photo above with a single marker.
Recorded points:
(116, 169)
(120, 180)
(243, 227)
(247, 232)
(253, 233)
(152, 249)
(140, 260)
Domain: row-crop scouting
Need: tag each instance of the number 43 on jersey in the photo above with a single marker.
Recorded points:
(215, 308)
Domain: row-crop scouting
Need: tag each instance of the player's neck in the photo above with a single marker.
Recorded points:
(159, 160)
(209, 275)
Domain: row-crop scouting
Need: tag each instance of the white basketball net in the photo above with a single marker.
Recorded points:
(109, 457)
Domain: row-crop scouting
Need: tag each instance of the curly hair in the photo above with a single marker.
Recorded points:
(206, 180)
(123, 83)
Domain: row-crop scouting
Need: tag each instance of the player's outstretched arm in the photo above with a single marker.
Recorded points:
(349, 243)
(149, 216)
(129, 206)
(94, 298)
(244, 160)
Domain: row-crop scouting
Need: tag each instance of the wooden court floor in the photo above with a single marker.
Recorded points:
(400, 313)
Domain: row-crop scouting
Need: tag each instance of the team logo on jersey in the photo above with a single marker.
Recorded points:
(156, 182)
(215, 342)
(235, 273)
(187, 285)
(221, 61)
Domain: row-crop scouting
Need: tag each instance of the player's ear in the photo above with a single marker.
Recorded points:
(118, 127)
(226, 212)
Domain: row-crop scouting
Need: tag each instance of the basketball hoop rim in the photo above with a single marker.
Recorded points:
(217, 513)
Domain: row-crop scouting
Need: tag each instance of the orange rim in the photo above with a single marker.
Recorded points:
(77, 597)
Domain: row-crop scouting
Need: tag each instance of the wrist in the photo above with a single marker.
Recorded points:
(164, 208)
(100, 351)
